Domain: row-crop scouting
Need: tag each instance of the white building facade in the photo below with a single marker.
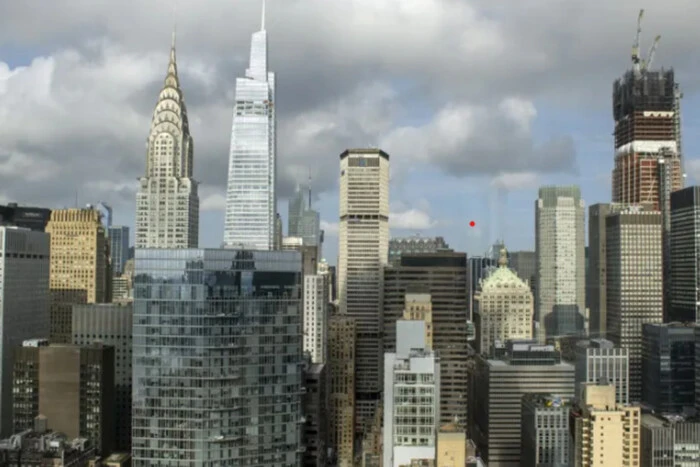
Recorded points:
(316, 317)
(24, 303)
(363, 252)
(251, 203)
(411, 398)
(599, 360)
(167, 201)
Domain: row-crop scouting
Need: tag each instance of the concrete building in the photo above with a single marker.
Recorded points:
(684, 294)
(451, 446)
(411, 398)
(71, 386)
(238, 324)
(444, 276)
(32, 218)
(42, 447)
(24, 303)
(118, 248)
(668, 367)
(598, 360)
(342, 330)
(363, 249)
(314, 403)
(419, 307)
(605, 433)
(316, 312)
(504, 308)
(634, 283)
(251, 198)
(524, 367)
(111, 324)
(545, 431)
(670, 441)
(560, 304)
(414, 244)
(167, 201)
(79, 265)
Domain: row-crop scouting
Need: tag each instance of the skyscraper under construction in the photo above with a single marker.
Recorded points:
(646, 108)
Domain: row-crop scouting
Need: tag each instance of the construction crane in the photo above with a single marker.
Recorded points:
(646, 64)
(636, 59)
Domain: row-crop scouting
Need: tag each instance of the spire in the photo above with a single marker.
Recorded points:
(172, 66)
(262, 22)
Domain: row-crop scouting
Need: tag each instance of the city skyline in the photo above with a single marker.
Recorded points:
(406, 112)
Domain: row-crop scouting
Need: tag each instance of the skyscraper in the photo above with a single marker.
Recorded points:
(304, 222)
(251, 203)
(342, 331)
(599, 360)
(24, 303)
(685, 255)
(560, 242)
(118, 248)
(364, 242)
(167, 203)
(217, 356)
(634, 283)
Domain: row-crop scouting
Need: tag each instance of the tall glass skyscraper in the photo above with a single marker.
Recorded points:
(251, 203)
(304, 222)
(118, 247)
(217, 354)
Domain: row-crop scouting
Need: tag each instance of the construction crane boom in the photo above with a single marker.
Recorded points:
(650, 56)
(636, 59)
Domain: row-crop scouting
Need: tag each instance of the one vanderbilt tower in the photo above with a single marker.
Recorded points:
(250, 197)
(167, 204)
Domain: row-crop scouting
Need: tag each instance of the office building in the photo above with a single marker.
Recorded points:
(71, 386)
(444, 276)
(79, 265)
(316, 312)
(670, 441)
(309, 253)
(634, 283)
(684, 294)
(451, 446)
(414, 244)
(560, 242)
(419, 307)
(604, 433)
(24, 216)
(479, 269)
(524, 263)
(342, 331)
(697, 369)
(106, 212)
(363, 249)
(111, 324)
(118, 248)
(251, 202)
(596, 278)
(24, 303)
(41, 447)
(411, 398)
(303, 221)
(522, 368)
(599, 361)
(167, 201)
(504, 308)
(668, 367)
(545, 431)
(238, 316)
(314, 403)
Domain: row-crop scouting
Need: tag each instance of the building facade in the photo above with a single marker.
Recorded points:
(24, 303)
(303, 221)
(504, 308)
(414, 244)
(79, 265)
(560, 242)
(605, 433)
(634, 283)
(71, 386)
(342, 331)
(316, 313)
(545, 431)
(251, 202)
(668, 367)
(118, 248)
(669, 441)
(524, 263)
(230, 318)
(444, 276)
(167, 201)
(363, 249)
(111, 324)
(525, 367)
(314, 429)
(684, 294)
(598, 360)
(31, 218)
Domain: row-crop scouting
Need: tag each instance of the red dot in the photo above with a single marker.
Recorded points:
(472, 224)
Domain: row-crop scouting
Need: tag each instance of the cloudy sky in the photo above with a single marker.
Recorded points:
(478, 102)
